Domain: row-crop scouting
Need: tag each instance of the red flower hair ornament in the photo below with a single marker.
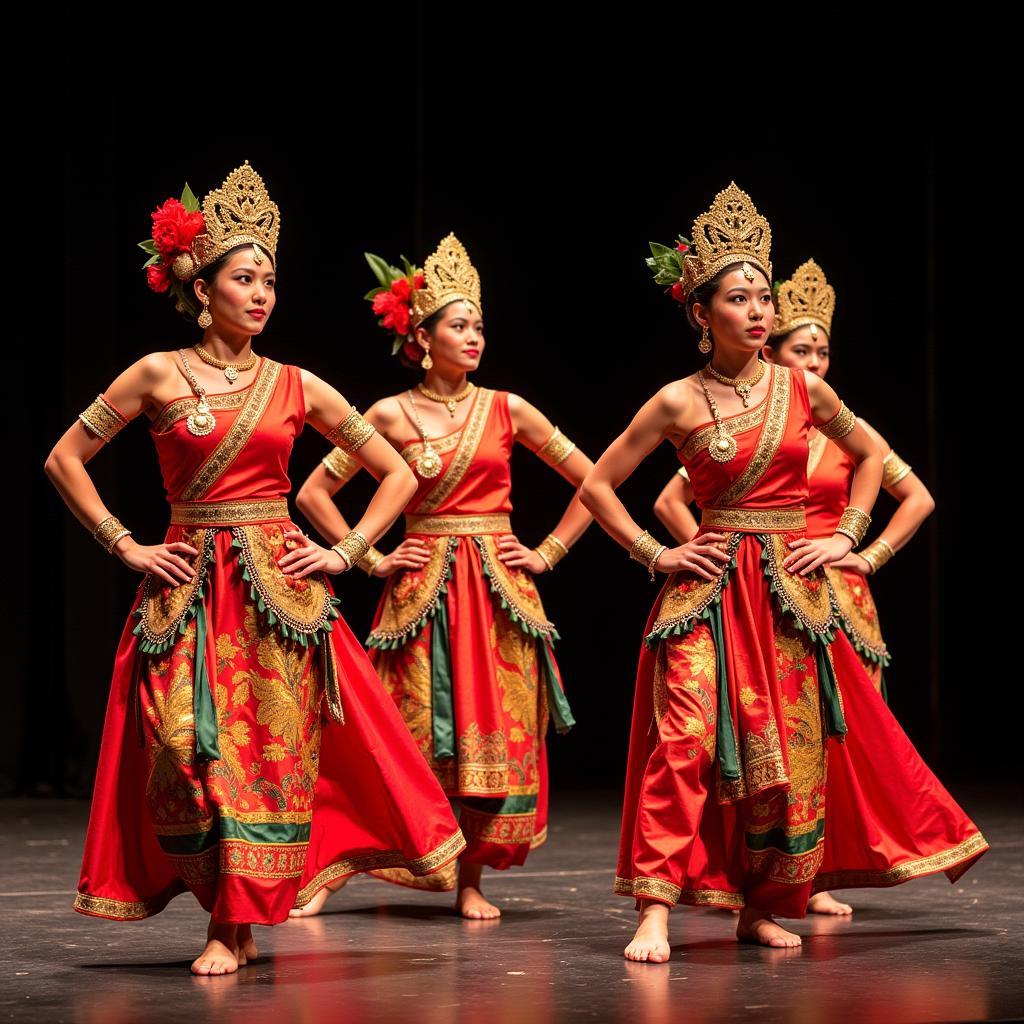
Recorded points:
(176, 223)
(392, 301)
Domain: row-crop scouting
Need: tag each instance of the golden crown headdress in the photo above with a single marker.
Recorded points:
(732, 231)
(448, 277)
(240, 212)
(805, 299)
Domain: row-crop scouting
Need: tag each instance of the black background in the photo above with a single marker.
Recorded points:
(555, 142)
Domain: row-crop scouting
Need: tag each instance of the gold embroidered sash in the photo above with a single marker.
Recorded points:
(238, 434)
(182, 407)
(469, 441)
(774, 426)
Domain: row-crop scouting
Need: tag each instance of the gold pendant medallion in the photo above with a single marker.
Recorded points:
(201, 422)
(428, 464)
(723, 448)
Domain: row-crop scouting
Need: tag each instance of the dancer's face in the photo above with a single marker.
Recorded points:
(803, 351)
(242, 295)
(740, 314)
(457, 339)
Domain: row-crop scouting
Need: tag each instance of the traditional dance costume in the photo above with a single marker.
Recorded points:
(763, 765)
(250, 753)
(463, 644)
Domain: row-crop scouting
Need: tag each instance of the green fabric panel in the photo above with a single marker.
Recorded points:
(777, 839)
(500, 805)
(558, 703)
(194, 843)
(265, 832)
(725, 739)
(203, 710)
(442, 703)
(835, 723)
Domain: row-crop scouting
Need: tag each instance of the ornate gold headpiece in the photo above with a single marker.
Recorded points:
(732, 231)
(240, 212)
(448, 277)
(806, 298)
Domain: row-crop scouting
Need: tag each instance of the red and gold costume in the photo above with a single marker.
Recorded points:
(465, 648)
(250, 753)
(763, 764)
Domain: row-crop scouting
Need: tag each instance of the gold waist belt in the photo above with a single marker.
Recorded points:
(462, 525)
(755, 520)
(228, 513)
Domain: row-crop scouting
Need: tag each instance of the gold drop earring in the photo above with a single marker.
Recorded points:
(426, 362)
(204, 319)
(704, 345)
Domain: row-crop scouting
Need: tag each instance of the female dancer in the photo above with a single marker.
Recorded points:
(744, 677)
(801, 339)
(234, 653)
(460, 638)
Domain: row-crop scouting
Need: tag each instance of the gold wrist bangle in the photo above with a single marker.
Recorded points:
(352, 548)
(853, 523)
(370, 561)
(107, 532)
(646, 550)
(551, 550)
(877, 553)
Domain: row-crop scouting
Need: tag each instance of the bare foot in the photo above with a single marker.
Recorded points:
(220, 956)
(650, 943)
(247, 950)
(826, 903)
(471, 903)
(757, 927)
(315, 905)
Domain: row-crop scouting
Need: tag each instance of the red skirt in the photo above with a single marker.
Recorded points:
(250, 753)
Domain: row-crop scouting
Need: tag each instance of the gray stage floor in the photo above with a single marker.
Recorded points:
(926, 951)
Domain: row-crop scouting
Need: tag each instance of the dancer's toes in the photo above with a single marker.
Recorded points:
(471, 904)
(758, 928)
(650, 943)
(826, 903)
(216, 958)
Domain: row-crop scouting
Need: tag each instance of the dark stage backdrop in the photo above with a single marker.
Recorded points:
(555, 150)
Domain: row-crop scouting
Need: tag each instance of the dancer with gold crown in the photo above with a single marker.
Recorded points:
(801, 339)
(460, 638)
(746, 689)
(248, 747)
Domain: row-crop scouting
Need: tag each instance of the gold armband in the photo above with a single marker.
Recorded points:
(877, 553)
(340, 464)
(556, 449)
(551, 550)
(351, 433)
(103, 419)
(370, 561)
(853, 523)
(353, 547)
(894, 469)
(646, 550)
(841, 424)
(107, 532)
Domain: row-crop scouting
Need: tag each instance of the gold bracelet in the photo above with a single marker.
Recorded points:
(853, 523)
(552, 550)
(351, 433)
(104, 419)
(556, 449)
(646, 550)
(352, 547)
(340, 464)
(107, 532)
(841, 424)
(894, 469)
(370, 561)
(877, 553)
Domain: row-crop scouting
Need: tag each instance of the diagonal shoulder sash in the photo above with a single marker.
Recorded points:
(469, 442)
(238, 434)
(768, 441)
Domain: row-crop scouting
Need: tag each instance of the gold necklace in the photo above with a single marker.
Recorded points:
(428, 462)
(741, 385)
(201, 422)
(723, 447)
(231, 370)
(448, 400)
